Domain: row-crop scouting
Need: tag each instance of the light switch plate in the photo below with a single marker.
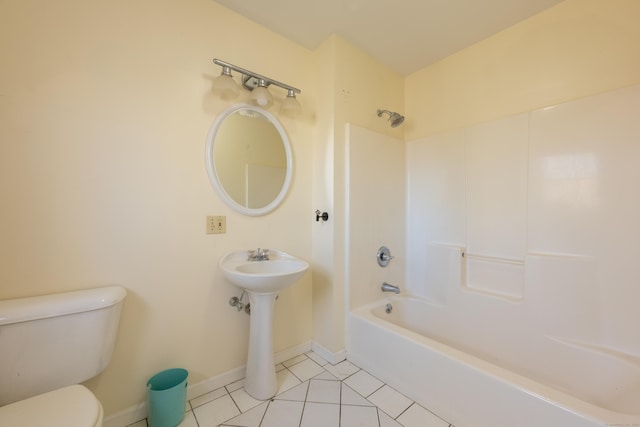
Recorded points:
(216, 224)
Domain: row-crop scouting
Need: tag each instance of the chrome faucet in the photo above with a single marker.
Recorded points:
(386, 287)
(258, 255)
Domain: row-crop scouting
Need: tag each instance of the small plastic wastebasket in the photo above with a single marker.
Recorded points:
(167, 397)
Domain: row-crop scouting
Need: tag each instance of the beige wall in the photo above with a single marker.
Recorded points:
(104, 109)
(351, 87)
(577, 48)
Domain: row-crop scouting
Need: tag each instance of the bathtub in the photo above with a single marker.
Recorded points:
(475, 380)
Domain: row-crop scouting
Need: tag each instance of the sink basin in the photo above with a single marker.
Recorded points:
(269, 276)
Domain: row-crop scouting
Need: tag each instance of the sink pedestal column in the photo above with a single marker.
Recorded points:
(260, 381)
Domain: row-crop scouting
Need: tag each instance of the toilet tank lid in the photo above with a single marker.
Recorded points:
(73, 406)
(41, 307)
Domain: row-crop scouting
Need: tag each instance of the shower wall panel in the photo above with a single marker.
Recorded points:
(435, 210)
(584, 173)
(375, 212)
(496, 205)
(544, 207)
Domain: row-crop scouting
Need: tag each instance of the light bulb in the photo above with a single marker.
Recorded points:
(261, 96)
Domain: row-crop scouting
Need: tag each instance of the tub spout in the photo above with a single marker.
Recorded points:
(386, 287)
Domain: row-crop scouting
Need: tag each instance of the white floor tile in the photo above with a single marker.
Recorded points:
(314, 356)
(311, 393)
(387, 421)
(364, 383)
(359, 416)
(320, 415)
(351, 397)
(283, 413)
(417, 416)
(236, 385)
(325, 376)
(323, 391)
(208, 397)
(213, 413)
(244, 401)
(188, 421)
(141, 423)
(294, 360)
(306, 369)
(342, 370)
(286, 380)
(390, 401)
(251, 418)
(297, 393)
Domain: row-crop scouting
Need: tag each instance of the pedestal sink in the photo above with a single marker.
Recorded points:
(262, 280)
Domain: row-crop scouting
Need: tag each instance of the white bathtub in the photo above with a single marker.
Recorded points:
(472, 379)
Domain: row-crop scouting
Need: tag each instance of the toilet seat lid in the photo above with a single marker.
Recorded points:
(69, 406)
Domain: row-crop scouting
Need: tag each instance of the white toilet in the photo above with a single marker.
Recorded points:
(48, 345)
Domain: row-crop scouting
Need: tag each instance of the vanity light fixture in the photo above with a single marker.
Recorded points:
(258, 84)
(225, 86)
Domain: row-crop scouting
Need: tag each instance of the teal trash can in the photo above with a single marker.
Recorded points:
(167, 397)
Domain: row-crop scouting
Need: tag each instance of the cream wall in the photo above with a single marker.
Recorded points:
(104, 109)
(350, 88)
(103, 113)
(577, 48)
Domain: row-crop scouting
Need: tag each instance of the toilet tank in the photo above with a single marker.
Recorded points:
(51, 341)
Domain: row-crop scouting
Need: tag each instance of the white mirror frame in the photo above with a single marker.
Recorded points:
(211, 168)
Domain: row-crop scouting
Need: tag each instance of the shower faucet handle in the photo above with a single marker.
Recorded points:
(383, 256)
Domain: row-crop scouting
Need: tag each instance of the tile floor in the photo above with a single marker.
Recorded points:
(311, 393)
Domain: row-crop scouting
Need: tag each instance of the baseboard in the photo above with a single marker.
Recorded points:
(127, 417)
(292, 352)
(138, 412)
(328, 355)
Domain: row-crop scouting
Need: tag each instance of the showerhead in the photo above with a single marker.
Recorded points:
(395, 119)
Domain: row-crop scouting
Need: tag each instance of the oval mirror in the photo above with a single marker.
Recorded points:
(249, 161)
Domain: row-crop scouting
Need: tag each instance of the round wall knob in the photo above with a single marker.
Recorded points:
(383, 256)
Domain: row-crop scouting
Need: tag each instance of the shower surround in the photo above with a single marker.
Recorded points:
(521, 232)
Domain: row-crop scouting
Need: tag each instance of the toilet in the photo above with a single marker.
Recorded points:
(50, 344)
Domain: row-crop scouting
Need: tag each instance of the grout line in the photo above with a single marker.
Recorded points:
(352, 374)
(378, 415)
(304, 404)
(192, 413)
(291, 372)
(406, 409)
(306, 397)
(374, 391)
(264, 414)
(340, 403)
(234, 401)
